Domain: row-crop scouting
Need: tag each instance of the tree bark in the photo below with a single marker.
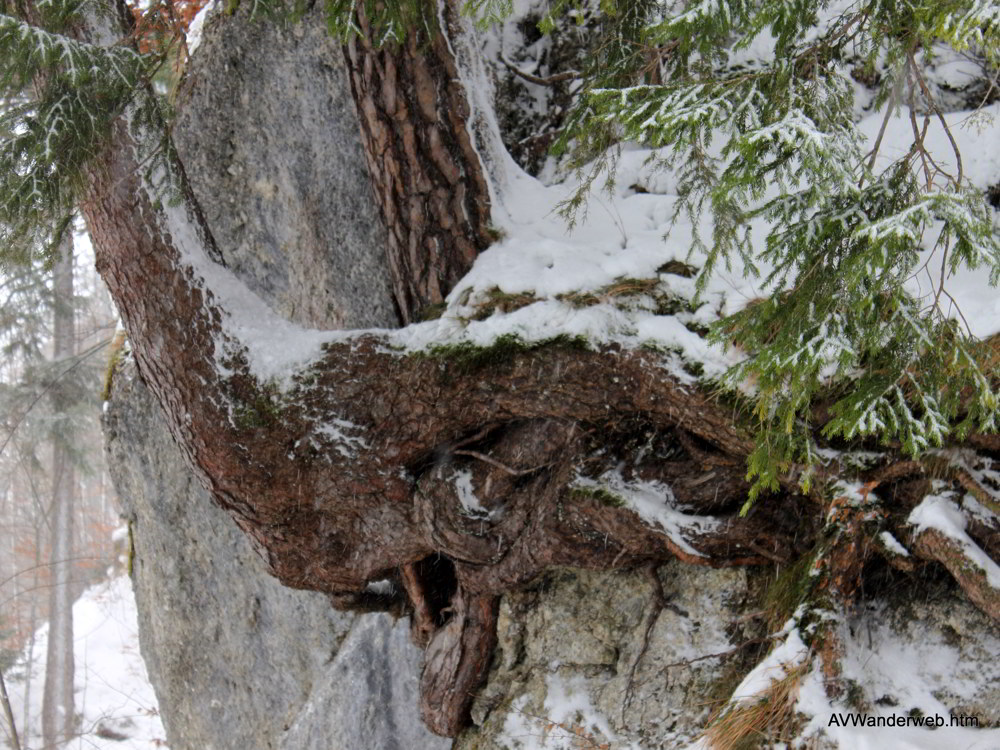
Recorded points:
(347, 474)
(9, 715)
(426, 175)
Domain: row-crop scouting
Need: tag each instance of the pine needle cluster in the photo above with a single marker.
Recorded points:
(777, 142)
(58, 98)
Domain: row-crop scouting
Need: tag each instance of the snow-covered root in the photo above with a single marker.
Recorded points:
(943, 527)
(941, 536)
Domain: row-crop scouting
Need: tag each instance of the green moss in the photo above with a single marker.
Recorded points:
(467, 357)
(432, 311)
(694, 368)
(262, 409)
(702, 331)
(602, 495)
(671, 304)
(498, 300)
(855, 696)
(620, 288)
(789, 589)
(115, 358)
(678, 268)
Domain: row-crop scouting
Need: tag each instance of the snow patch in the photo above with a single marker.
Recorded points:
(901, 674)
(113, 693)
(197, 27)
(941, 514)
(568, 720)
(337, 433)
(774, 667)
(467, 495)
(892, 544)
(654, 503)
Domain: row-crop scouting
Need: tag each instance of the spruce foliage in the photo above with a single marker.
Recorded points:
(59, 96)
(778, 143)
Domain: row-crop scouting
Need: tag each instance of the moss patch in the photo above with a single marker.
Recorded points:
(432, 312)
(115, 358)
(678, 268)
(498, 300)
(467, 357)
(622, 287)
(262, 409)
(600, 494)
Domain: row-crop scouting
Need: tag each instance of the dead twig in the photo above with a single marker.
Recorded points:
(503, 467)
(551, 80)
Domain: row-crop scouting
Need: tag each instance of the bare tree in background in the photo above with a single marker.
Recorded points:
(58, 715)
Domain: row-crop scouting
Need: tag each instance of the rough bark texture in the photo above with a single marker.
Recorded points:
(426, 174)
(334, 510)
(934, 545)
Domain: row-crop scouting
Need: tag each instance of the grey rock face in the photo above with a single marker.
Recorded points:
(269, 138)
(366, 697)
(233, 655)
(602, 642)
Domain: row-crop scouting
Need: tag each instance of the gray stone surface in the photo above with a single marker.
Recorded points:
(365, 698)
(269, 138)
(587, 631)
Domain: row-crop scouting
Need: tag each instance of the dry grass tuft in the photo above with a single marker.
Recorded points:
(768, 716)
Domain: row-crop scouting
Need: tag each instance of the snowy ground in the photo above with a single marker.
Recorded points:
(113, 694)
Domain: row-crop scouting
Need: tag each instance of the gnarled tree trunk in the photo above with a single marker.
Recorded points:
(344, 466)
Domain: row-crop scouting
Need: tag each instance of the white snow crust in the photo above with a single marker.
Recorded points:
(197, 27)
(654, 503)
(901, 674)
(568, 720)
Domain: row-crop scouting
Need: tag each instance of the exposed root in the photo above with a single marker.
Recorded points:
(422, 625)
(849, 544)
(931, 544)
(457, 661)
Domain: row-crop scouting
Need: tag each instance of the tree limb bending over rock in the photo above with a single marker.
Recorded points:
(347, 474)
